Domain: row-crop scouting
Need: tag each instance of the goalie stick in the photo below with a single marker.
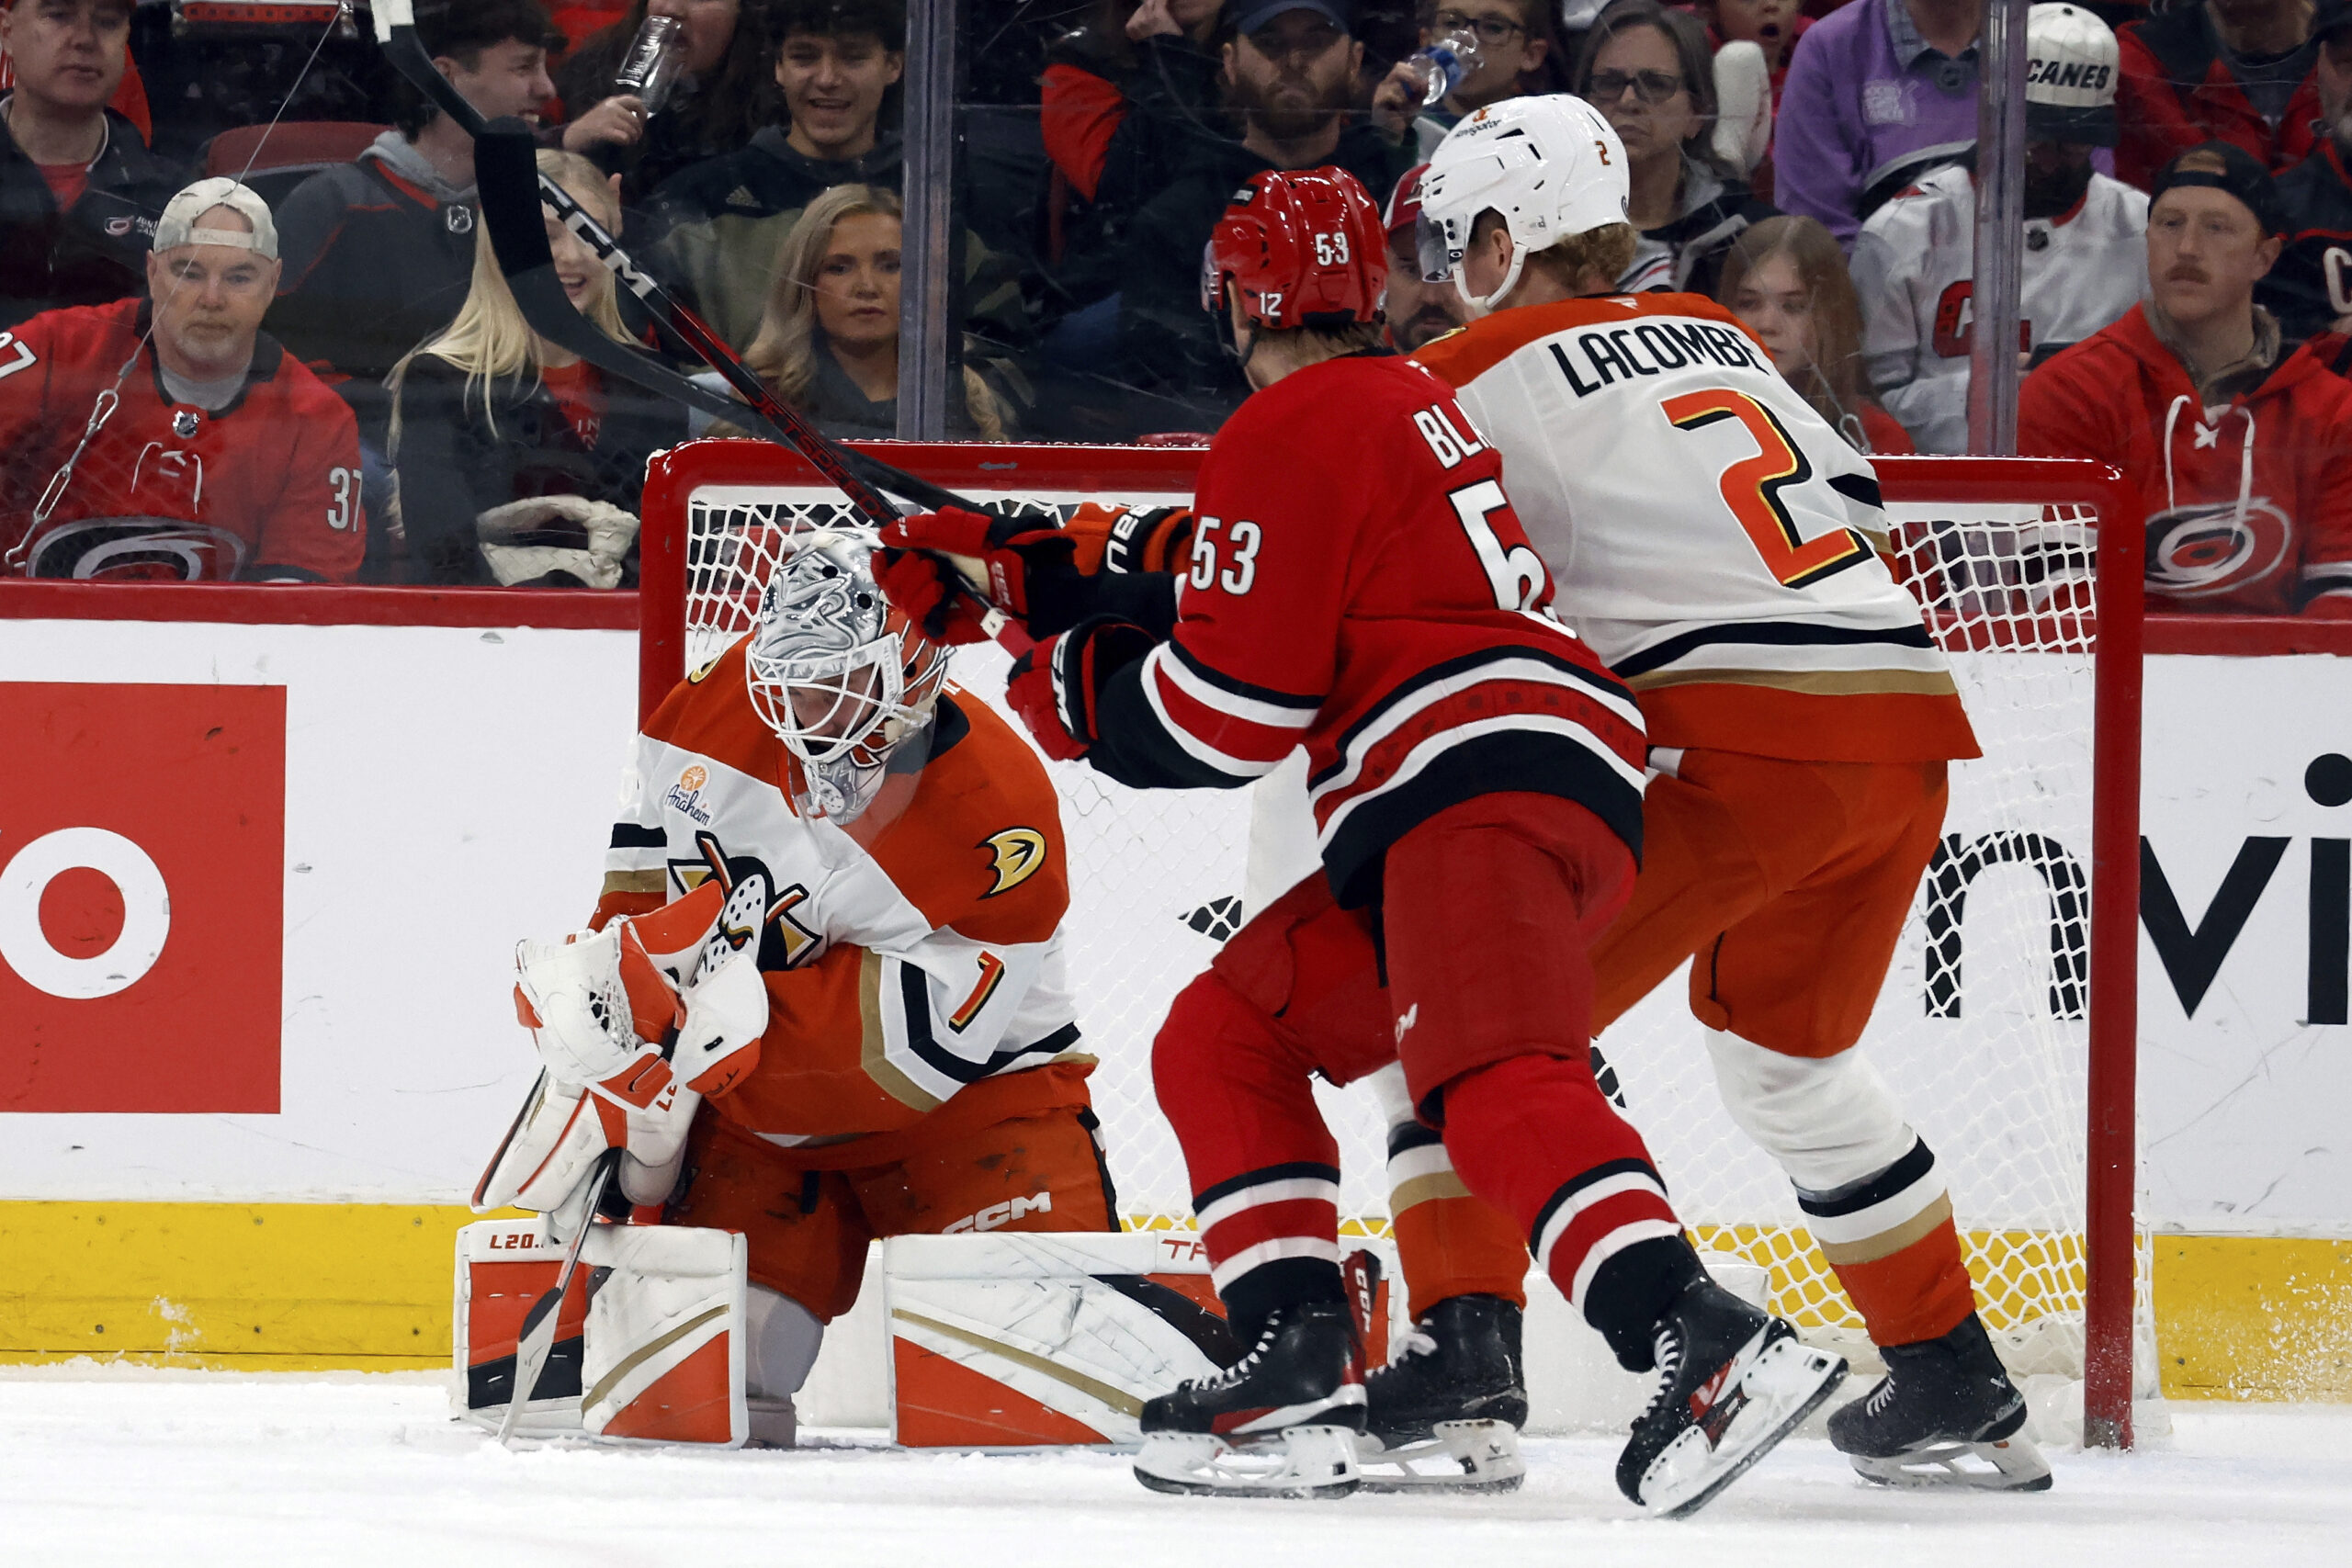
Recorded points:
(536, 1341)
(506, 173)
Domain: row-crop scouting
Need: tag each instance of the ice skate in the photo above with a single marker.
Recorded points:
(1281, 1422)
(1445, 1415)
(1945, 1414)
(1732, 1383)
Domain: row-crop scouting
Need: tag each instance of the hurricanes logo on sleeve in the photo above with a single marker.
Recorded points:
(1019, 853)
(2198, 552)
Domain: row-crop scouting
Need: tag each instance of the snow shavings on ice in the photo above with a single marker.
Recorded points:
(101, 1466)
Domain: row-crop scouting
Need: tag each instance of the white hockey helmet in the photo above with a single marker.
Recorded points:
(1551, 165)
(838, 672)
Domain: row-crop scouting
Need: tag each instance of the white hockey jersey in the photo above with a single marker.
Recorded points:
(907, 957)
(1912, 267)
(1708, 534)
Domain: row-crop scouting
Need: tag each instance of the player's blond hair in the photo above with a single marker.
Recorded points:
(489, 341)
(1605, 251)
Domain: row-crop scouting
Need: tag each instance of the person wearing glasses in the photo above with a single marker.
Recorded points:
(1510, 38)
(1645, 68)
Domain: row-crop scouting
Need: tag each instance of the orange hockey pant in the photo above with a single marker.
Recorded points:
(806, 1230)
(1785, 885)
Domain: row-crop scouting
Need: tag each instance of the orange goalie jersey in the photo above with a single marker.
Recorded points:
(912, 958)
(1714, 540)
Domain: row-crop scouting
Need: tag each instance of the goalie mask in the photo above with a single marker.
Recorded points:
(840, 675)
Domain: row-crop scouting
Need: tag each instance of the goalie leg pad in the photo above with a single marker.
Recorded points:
(665, 1345)
(650, 1337)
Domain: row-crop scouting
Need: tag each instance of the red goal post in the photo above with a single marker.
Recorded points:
(2001, 550)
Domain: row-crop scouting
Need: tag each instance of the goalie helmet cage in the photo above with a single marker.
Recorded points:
(2016, 1057)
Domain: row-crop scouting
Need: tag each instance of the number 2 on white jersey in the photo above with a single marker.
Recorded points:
(1751, 487)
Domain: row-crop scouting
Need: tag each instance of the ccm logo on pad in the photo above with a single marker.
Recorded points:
(142, 848)
(997, 1215)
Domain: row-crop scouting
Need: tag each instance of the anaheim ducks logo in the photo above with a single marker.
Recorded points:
(1019, 853)
(2200, 552)
(757, 912)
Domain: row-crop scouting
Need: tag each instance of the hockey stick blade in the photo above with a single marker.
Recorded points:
(535, 1342)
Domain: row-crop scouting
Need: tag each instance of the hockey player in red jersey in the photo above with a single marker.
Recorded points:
(1359, 585)
(169, 437)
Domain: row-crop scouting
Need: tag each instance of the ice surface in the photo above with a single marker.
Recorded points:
(105, 1466)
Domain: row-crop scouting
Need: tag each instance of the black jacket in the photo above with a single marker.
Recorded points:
(1170, 348)
(1686, 255)
(96, 252)
(452, 468)
(374, 267)
(2311, 284)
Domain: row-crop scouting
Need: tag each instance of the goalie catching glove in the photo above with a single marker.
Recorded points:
(1048, 578)
(631, 1046)
(1057, 687)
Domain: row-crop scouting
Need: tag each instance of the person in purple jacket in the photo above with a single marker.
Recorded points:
(1879, 93)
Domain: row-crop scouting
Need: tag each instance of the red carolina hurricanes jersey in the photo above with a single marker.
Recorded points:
(1359, 585)
(267, 487)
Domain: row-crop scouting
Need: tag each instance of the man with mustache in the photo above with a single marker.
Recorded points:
(1915, 263)
(2238, 444)
(2311, 288)
(1291, 71)
(1418, 310)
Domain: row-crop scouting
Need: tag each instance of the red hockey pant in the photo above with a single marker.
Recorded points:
(1489, 911)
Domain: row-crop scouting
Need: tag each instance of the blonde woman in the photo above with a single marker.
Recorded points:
(1786, 279)
(828, 343)
(517, 462)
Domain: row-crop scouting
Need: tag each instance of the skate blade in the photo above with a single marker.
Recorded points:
(2015, 1465)
(1459, 1456)
(1302, 1462)
(1778, 1386)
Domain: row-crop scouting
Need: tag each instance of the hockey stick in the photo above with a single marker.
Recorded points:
(506, 173)
(536, 1342)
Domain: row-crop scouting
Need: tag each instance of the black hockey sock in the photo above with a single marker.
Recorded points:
(1634, 1290)
(1267, 1288)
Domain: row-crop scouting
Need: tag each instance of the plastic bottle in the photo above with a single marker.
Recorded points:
(650, 69)
(1440, 65)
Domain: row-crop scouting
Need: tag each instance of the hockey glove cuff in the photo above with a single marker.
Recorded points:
(1056, 685)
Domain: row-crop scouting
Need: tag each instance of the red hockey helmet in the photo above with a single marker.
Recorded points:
(1302, 249)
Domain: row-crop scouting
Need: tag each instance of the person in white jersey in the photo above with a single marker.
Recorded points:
(2086, 259)
(1720, 547)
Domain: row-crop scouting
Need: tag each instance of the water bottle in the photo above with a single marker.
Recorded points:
(1442, 64)
(650, 69)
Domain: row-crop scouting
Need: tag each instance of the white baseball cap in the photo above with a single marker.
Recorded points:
(177, 226)
(2070, 76)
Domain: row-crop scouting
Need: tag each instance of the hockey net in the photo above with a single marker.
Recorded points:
(1984, 1030)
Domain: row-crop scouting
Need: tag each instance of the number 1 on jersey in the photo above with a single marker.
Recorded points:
(1751, 487)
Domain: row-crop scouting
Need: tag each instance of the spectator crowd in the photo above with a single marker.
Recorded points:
(250, 326)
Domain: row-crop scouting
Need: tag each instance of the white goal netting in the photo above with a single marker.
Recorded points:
(1982, 1028)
